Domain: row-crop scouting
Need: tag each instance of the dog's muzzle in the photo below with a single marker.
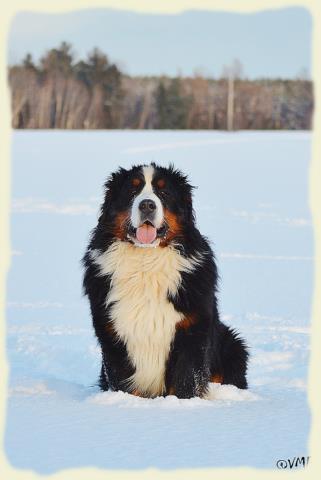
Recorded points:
(147, 221)
(147, 210)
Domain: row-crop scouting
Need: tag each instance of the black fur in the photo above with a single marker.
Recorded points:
(204, 347)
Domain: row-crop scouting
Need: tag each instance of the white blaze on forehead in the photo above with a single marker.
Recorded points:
(148, 173)
(147, 194)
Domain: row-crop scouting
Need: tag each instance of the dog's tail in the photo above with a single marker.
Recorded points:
(234, 357)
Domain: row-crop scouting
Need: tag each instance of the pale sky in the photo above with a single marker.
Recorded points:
(271, 43)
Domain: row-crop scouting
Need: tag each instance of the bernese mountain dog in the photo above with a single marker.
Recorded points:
(151, 280)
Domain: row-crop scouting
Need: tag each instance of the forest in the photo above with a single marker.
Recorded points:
(64, 93)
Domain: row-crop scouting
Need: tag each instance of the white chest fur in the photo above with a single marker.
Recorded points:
(143, 318)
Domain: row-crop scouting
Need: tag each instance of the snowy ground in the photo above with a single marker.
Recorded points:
(252, 204)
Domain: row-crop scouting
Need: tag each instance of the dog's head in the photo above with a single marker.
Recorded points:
(147, 205)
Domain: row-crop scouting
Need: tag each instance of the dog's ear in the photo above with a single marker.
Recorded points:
(112, 188)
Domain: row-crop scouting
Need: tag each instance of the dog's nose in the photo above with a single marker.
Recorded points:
(147, 206)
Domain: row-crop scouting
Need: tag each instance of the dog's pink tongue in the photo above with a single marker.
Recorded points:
(146, 233)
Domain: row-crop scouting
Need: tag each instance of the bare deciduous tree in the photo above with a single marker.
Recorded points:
(93, 93)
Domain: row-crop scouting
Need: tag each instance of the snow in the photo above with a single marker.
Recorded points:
(252, 203)
(216, 392)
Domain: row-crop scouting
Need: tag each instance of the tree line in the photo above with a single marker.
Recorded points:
(94, 93)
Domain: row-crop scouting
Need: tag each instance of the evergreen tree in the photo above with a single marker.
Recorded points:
(58, 60)
(177, 105)
(28, 63)
(172, 107)
(98, 71)
(93, 93)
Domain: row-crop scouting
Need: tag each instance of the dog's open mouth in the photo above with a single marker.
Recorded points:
(147, 233)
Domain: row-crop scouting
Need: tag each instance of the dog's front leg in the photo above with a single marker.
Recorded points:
(187, 372)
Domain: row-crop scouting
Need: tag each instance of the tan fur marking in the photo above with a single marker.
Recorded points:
(160, 183)
(174, 227)
(216, 379)
(186, 322)
(136, 182)
(110, 328)
(136, 393)
(120, 225)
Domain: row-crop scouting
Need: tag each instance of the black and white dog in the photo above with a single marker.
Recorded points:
(151, 280)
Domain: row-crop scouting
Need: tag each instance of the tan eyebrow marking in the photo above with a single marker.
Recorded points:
(136, 182)
(161, 183)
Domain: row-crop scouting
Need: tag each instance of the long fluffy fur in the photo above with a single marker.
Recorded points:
(155, 309)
